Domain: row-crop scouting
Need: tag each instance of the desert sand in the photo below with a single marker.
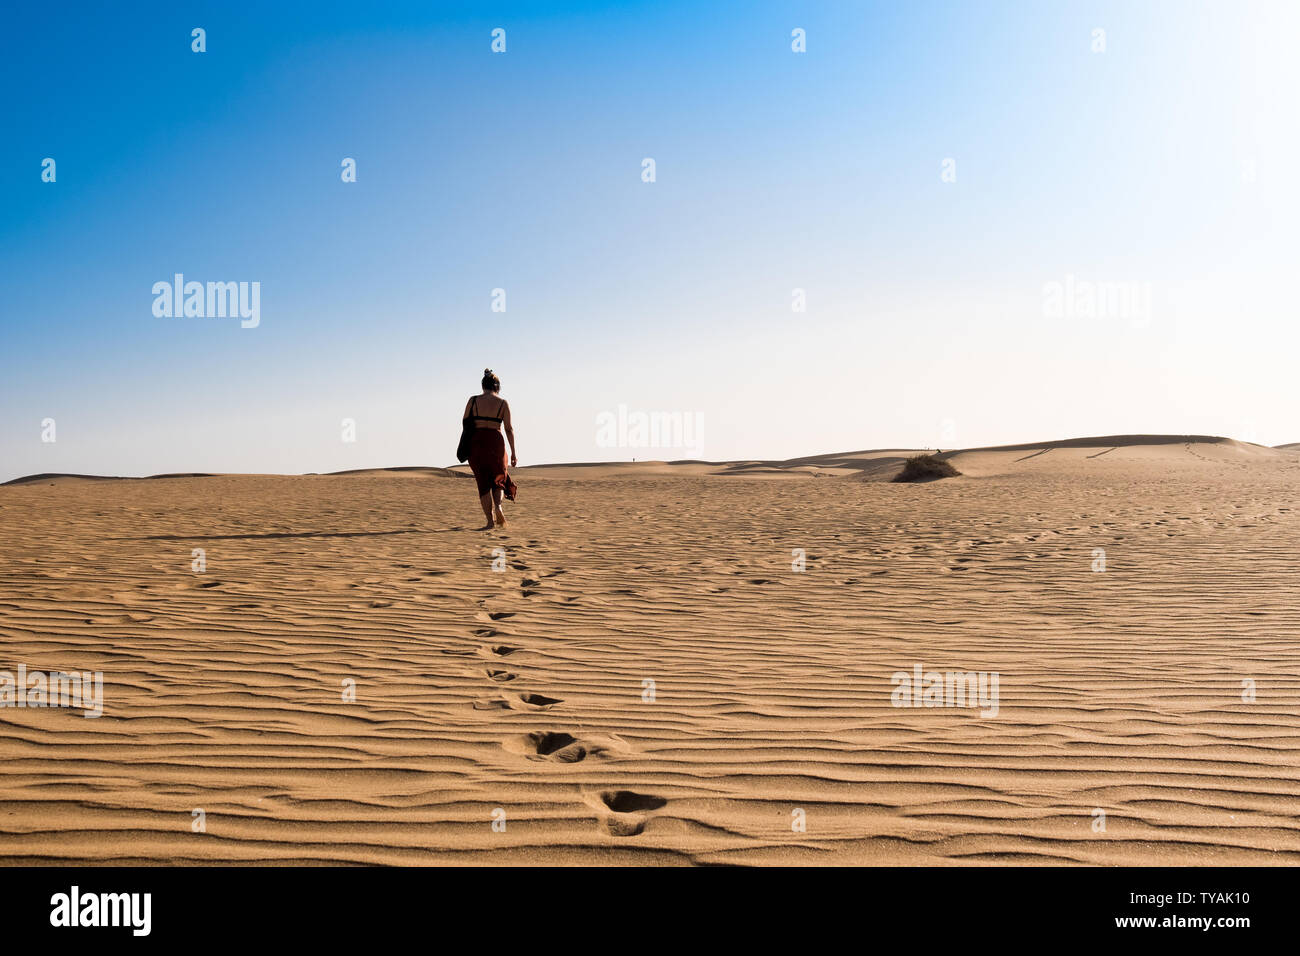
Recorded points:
(523, 696)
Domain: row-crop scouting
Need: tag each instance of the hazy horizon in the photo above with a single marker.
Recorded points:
(1000, 233)
(639, 459)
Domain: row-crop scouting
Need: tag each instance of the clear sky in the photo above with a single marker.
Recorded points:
(1162, 166)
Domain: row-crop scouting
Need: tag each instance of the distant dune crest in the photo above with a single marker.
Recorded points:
(872, 465)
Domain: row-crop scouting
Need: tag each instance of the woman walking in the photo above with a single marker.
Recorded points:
(487, 452)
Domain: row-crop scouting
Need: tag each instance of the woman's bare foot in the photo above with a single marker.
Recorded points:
(501, 517)
(487, 527)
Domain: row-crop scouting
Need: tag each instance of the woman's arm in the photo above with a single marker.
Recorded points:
(510, 433)
(468, 403)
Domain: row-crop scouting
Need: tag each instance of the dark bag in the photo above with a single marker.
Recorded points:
(466, 435)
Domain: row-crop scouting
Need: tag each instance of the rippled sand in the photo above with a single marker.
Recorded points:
(649, 680)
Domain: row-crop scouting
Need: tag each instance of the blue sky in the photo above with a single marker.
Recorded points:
(1161, 165)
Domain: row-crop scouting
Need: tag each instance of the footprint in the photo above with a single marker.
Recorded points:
(500, 650)
(623, 826)
(534, 702)
(623, 812)
(563, 747)
(501, 615)
(548, 744)
(491, 703)
(501, 676)
(628, 801)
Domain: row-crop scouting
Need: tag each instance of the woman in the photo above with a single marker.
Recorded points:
(487, 452)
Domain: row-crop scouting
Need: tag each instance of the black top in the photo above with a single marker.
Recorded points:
(473, 407)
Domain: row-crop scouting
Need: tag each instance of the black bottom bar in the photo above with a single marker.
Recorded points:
(433, 907)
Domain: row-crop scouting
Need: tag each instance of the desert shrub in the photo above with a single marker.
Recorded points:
(925, 468)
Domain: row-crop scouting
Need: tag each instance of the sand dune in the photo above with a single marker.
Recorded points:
(648, 679)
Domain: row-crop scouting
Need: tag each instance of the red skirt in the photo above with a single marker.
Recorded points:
(487, 459)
